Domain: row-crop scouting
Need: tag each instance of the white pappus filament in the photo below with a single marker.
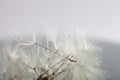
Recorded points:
(52, 57)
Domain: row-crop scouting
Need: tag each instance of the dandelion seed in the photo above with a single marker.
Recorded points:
(69, 57)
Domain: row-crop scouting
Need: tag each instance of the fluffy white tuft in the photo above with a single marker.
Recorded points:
(66, 57)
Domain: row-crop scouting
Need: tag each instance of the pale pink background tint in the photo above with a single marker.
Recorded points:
(98, 18)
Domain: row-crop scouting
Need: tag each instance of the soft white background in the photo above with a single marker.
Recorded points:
(99, 18)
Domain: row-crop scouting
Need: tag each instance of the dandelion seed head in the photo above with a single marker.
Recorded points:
(68, 57)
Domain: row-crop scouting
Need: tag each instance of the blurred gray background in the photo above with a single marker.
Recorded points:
(100, 19)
